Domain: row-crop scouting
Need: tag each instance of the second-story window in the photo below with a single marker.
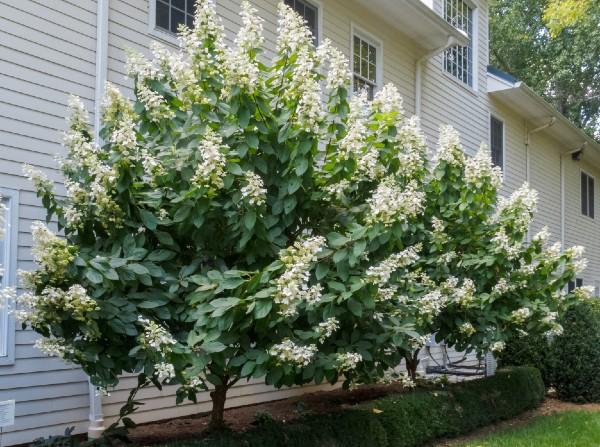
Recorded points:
(310, 13)
(458, 61)
(587, 195)
(497, 141)
(365, 64)
(170, 14)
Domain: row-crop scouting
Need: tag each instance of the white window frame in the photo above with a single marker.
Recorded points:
(7, 337)
(318, 5)
(159, 33)
(475, 50)
(583, 171)
(503, 121)
(356, 30)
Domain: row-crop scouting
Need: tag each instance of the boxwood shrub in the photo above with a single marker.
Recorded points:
(403, 420)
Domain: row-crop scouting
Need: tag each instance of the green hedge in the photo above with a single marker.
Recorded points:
(403, 420)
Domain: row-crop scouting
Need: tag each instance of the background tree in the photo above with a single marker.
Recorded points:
(243, 219)
(554, 47)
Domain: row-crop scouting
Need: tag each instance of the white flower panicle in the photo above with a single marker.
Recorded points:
(432, 304)
(54, 347)
(501, 287)
(390, 203)
(49, 251)
(577, 260)
(388, 100)
(337, 190)
(165, 372)
(520, 207)
(155, 336)
(466, 329)
(115, 106)
(521, 315)
(40, 181)
(354, 142)
(211, 168)
(292, 31)
(38, 310)
(465, 294)
(542, 236)
(347, 361)
(502, 243)
(413, 148)
(288, 352)
(241, 66)
(327, 328)
(480, 168)
(338, 71)
(583, 293)
(155, 104)
(254, 192)
(449, 147)
(497, 347)
(380, 274)
(292, 285)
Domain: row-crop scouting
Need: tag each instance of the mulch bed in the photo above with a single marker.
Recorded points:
(243, 418)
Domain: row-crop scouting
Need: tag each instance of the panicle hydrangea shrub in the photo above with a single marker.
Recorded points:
(243, 219)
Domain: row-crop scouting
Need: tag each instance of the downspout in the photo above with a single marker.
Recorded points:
(563, 193)
(419, 71)
(96, 418)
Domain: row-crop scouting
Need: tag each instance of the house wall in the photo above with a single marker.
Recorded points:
(544, 176)
(47, 51)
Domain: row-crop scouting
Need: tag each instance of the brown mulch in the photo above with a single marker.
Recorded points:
(243, 418)
(549, 406)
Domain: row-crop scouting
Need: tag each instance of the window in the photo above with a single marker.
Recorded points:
(310, 13)
(169, 14)
(8, 251)
(572, 284)
(587, 195)
(366, 62)
(497, 141)
(458, 61)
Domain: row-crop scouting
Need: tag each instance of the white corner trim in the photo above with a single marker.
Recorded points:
(101, 61)
(7, 348)
(96, 420)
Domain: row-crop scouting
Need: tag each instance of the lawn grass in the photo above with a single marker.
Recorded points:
(570, 429)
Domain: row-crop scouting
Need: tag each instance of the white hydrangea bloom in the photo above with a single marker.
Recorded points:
(155, 336)
(542, 236)
(432, 304)
(465, 294)
(449, 147)
(521, 205)
(503, 244)
(254, 191)
(114, 105)
(54, 347)
(413, 147)
(165, 372)
(578, 261)
(347, 361)
(388, 100)
(380, 274)
(584, 293)
(327, 328)
(480, 167)
(390, 203)
(501, 287)
(309, 112)
(337, 190)
(137, 66)
(289, 352)
(466, 329)
(48, 250)
(157, 106)
(497, 347)
(338, 71)
(292, 285)
(241, 67)
(40, 181)
(520, 315)
(211, 169)
(124, 137)
(293, 34)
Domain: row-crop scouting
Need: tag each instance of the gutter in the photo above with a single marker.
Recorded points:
(452, 41)
(96, 418)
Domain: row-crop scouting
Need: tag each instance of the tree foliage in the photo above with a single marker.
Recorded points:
(554, 47)
(242, 219)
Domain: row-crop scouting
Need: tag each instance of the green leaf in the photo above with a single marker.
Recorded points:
(94, 276)
(138, 269)
(322, 270)
(301, 166)
(149, 219)
(355, 307)
(235, 169)
(248, 368)
(262, 308)
(225, 302)
(336, 240)
(160, 255)
(249, 220)
(182, 213)
(213, 346)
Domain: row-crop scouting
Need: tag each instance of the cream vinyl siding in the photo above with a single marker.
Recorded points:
(446, 100)
(47, 51)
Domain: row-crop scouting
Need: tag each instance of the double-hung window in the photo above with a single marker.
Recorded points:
(573, 284)
(458, 60)
(497, 141)
(169, 14)
(310, 13)
(366, 64)
(8, 239)
(587, 195)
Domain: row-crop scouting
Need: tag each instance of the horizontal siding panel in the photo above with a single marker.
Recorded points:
(36, 393)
